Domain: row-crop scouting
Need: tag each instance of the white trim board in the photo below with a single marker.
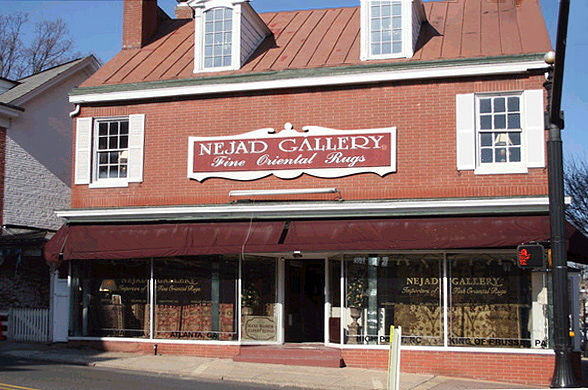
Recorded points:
(320, 81)
(335, 209)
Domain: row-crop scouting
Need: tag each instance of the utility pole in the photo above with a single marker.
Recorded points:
(563, 374)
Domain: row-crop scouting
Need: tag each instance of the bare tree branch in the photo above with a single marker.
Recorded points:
(11, 53)
(576, 186)
(51, 46)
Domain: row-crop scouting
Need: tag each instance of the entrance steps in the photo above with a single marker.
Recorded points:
(313, 355)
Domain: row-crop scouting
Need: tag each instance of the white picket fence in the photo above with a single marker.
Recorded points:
(30, 325)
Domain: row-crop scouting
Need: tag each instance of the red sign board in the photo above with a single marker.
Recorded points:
(316, 151)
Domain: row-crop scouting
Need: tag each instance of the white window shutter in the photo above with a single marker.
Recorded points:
(83, 154)
(535, 128)
(136, 141)
(466, 132)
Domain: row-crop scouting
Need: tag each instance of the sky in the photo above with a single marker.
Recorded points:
(96, 27)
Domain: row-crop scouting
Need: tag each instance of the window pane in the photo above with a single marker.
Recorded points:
(113, 172)
(513, 104)
(514, 121)
(386, 23)
(500, 155)
(386, 10)
(102, 143)
(209, 27)
(113, 142)
(515, 138)
(124, 127)
(102, 128)
(375, 10)
(399, 290)
(514, 154)
(102, 172)
(486, 122)
(397, 35)
(490, 302)
(113, 130)
(485, 106)
(103, 158)
(376, 49)
(500, 122)
(486, 156)
(209, 39)
(195, 298)
(397, 22)
(258, 299)
(397, 47)
(486, 139)
(376, 24)
(111, 300)
(499, 105)
(227, 61)
(123, 171)
(386, 48)
(114, 157)
(396, 8)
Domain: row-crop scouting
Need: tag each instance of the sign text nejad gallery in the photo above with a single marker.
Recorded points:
(287, 154)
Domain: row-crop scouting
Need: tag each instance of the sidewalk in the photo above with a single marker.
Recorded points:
(227, 370)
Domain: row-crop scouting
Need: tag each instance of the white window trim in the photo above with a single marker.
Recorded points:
(86, 151)
(365, 34)
(199, 25)
(501, 168)
(107, 182)
(532, 136)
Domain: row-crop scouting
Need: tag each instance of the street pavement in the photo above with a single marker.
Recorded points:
(211, 369)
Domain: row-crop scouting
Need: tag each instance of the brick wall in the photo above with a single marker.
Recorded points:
(423, 111)
(530, 369)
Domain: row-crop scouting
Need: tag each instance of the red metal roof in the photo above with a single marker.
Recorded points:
(330, 37)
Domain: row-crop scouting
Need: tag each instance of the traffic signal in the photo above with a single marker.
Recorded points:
(531, 256)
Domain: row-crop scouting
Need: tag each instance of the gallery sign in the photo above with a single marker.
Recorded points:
(316, 151)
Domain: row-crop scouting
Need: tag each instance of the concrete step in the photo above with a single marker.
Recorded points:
(292, 354)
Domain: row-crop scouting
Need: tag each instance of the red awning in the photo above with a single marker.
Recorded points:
(189, 239)
(161, 240)
(417, 233)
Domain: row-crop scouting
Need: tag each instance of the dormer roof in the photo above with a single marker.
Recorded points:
(330, 38)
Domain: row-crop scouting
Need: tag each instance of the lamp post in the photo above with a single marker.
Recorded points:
(563, 375)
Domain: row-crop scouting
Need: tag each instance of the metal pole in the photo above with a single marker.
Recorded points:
(563, 375)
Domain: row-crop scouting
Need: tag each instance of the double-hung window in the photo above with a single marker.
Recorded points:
(218, 38)
(500, 132)
(109, 151)
(385, 28)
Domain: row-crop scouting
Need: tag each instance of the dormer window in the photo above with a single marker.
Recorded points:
(390, 29)
(218, 40)
(227, 32)
(386, 28)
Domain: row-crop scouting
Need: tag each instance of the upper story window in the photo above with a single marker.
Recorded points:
(499, 129)
(112, 149)
(226, 34)
(386, 28)
(109, 151)
(218, 39)
(390, 28)
(501, 132)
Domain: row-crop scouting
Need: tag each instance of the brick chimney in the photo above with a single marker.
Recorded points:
(140, 22)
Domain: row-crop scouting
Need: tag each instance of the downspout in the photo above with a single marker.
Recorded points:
(75, 112)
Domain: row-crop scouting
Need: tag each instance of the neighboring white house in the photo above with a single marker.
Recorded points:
(35, 175)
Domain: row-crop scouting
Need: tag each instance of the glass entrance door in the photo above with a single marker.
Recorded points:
(304, 301)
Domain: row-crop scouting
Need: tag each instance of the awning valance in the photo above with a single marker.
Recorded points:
(161, 240)
(188, 239)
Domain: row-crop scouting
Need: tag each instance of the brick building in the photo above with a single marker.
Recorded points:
(246, 181)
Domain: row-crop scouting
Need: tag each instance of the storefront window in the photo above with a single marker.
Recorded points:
(259, 299)
(393, 290)
(195, 298)
(491, 302)
(111, 299)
